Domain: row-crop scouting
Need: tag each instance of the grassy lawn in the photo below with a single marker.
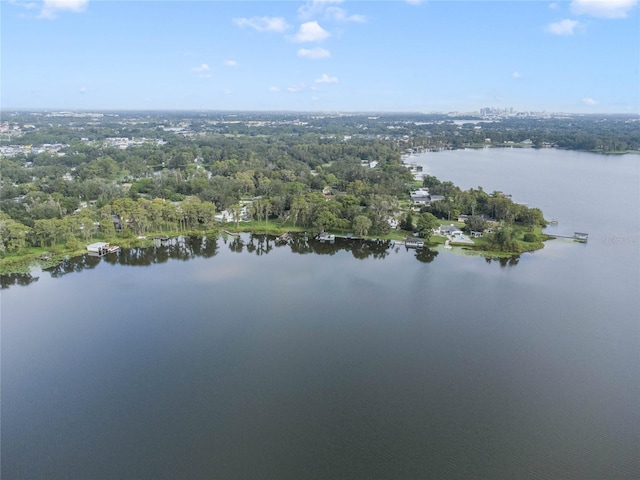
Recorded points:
(272, 227)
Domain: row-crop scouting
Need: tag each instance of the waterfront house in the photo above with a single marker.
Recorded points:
(488, 219)
(420, 194)
(449, 230)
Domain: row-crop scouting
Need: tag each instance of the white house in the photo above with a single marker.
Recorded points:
(421, 193)
(226, 217)
(450, 230)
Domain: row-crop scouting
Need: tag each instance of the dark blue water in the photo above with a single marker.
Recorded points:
(214, 360)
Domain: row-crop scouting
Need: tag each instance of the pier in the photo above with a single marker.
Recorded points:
(577, 236)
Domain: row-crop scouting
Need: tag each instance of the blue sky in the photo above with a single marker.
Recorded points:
(420, 56)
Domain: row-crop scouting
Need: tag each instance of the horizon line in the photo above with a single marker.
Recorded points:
(368, 112)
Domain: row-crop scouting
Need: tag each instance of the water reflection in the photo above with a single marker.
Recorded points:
(75, 264)
(189, 247)
(505, 262)
(426, 255)
(360, 249)
(179, 248)
(17, 279)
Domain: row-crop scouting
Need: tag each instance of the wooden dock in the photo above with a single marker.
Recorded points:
(577, 236)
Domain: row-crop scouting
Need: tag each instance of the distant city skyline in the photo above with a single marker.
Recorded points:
(579, 56)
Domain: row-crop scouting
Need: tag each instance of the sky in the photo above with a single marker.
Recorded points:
(580, 56)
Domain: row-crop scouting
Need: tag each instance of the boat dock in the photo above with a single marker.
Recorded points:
(324, 236)
(577, 236)
(102, 248)
(414, 243)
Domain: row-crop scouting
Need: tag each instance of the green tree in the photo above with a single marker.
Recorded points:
(299, 210)
(425, 224)
(407, 222)
(476, 223)
(236, 213)
(503, 240)
(107, 228)
(207, 214)
(13, 235)
(324, 220)
(46, 231)
(361, 225)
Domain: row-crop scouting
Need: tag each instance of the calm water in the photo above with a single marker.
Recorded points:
(246, 360)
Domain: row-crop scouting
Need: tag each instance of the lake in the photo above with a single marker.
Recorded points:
(237, 358)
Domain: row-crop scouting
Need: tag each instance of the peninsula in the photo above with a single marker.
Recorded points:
(73, 179)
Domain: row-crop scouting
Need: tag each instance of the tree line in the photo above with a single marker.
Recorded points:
(314, 181)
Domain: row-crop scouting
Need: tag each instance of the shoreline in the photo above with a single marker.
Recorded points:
(44, 259)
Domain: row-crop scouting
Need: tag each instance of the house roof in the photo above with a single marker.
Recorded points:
(449, 228)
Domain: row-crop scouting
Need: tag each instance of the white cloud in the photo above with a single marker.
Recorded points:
(314, 8)
(231, 63)
(263, 24)
(589, 101)
(202, 68)
(603, 8)
(341, 15)
(296, 88)
(327, 79)
(326, 9)
(25, 5)
(314, 53)
(83, 90)
(311, 32)
(563, 27)
(516, 75)
(51, 8)
(554, 6)
(226, 92)
(274, 89)
(414, 2)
